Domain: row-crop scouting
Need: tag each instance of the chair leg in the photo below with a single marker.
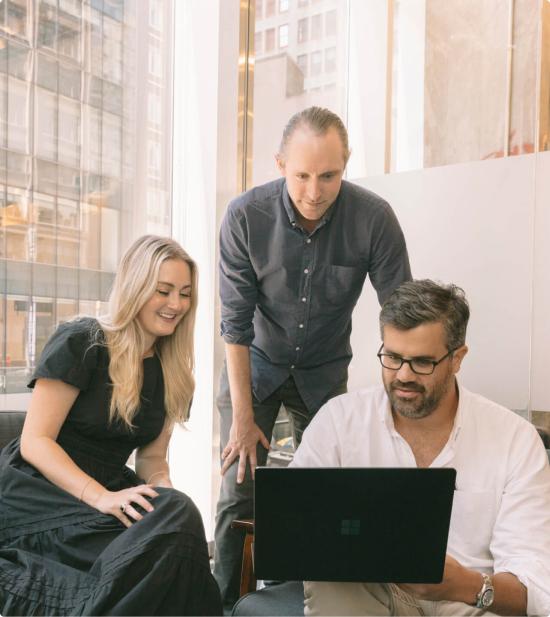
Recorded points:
(248, 579)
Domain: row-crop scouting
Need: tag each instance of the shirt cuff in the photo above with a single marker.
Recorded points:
(239, 338)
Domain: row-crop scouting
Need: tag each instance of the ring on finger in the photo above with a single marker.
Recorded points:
(123, 507)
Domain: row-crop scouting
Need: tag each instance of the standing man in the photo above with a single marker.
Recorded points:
(294, 254)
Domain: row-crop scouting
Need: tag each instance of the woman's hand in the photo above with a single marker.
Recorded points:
(121, 503)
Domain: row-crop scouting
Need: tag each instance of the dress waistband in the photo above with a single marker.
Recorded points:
(103, 461)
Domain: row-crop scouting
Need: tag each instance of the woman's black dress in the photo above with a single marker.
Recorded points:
(59, 556)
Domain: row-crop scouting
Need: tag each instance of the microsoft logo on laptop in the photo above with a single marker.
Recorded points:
(350, 527)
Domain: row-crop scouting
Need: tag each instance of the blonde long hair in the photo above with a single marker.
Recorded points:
(135, 282)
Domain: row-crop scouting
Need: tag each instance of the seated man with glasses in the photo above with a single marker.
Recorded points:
(498, 552)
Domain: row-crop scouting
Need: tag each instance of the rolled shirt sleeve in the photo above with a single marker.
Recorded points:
(521, 536)
(389, 260)
(238, 283)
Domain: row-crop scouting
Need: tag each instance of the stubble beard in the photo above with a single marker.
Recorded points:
(425, 403)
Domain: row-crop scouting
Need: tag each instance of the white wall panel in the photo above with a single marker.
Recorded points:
(471, 224)
(540, 388)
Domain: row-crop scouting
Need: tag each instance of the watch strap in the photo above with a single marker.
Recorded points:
(486, 593)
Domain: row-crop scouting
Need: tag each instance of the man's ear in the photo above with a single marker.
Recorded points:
(347, 160)
(458, 356)
(280, 164)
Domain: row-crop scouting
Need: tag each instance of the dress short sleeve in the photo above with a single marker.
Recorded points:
(71, 354)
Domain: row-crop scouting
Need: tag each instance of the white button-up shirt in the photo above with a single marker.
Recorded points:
(500, 520)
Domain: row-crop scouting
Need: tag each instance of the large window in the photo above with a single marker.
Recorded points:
(400, 75)
(303, 70)
(84, 138)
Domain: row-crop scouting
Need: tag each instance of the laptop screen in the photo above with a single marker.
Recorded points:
(352, 524)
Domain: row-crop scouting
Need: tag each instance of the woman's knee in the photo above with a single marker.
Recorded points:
(174, 503)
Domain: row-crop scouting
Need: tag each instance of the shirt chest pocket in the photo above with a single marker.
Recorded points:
(338, 285)
(472, 521)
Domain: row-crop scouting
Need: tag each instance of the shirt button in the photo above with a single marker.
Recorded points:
(308, 240)
(304, 299)
(301, 325)
(298, 348)
(306, 271)
(292, 366)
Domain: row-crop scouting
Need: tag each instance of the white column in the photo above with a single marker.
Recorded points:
(205, 121)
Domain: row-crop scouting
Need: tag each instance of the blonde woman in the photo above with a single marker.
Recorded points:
(80, 532)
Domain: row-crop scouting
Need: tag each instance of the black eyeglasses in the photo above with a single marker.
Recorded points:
(420, 366)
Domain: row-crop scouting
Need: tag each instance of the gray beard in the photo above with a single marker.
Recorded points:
(420, 408)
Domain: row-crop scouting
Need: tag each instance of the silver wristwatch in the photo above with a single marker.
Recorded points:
(486, 594)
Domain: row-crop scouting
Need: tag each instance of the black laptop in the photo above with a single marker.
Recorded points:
(352, 524)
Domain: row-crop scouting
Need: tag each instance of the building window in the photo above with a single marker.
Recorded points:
(154, 109)
(46, 34)
(316, 63)
(69, 132)
(302, 3)
(155, 14)
(155, 61)
(301, 61)
(283, 6)
(19, 60)
(45, 124)
(17, 116)
(68, 39)
(283, 36)
(69, 81)
(46, 72)
(270, 39)
(153, 159)
(270, 8)
(91, 152)
(72, 94)
(111, 149)
(331, 23)
(258, 42)
(302, 30)
(16, 18)
(330, 60)
(259, 9)
(112, 50)
(316, 26)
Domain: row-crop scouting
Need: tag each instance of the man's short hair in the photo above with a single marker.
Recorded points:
(319, 120)
(423, 301)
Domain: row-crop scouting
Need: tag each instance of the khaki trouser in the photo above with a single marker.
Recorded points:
(375, 599)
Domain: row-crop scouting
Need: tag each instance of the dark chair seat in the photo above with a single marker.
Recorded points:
(282, 599)
(11, 424)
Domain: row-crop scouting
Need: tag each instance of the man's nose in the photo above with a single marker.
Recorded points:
(405, 373)
(314, 190)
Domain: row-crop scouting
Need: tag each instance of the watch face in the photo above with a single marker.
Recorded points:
(487, 598)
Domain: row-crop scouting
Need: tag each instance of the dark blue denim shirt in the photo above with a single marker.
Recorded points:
(289, 294)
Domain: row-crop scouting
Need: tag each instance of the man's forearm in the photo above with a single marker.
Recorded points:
(510, 595)
(239, 376)
(461, 584)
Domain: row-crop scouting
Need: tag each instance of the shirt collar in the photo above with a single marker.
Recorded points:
(291, 213)
(459, 417)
